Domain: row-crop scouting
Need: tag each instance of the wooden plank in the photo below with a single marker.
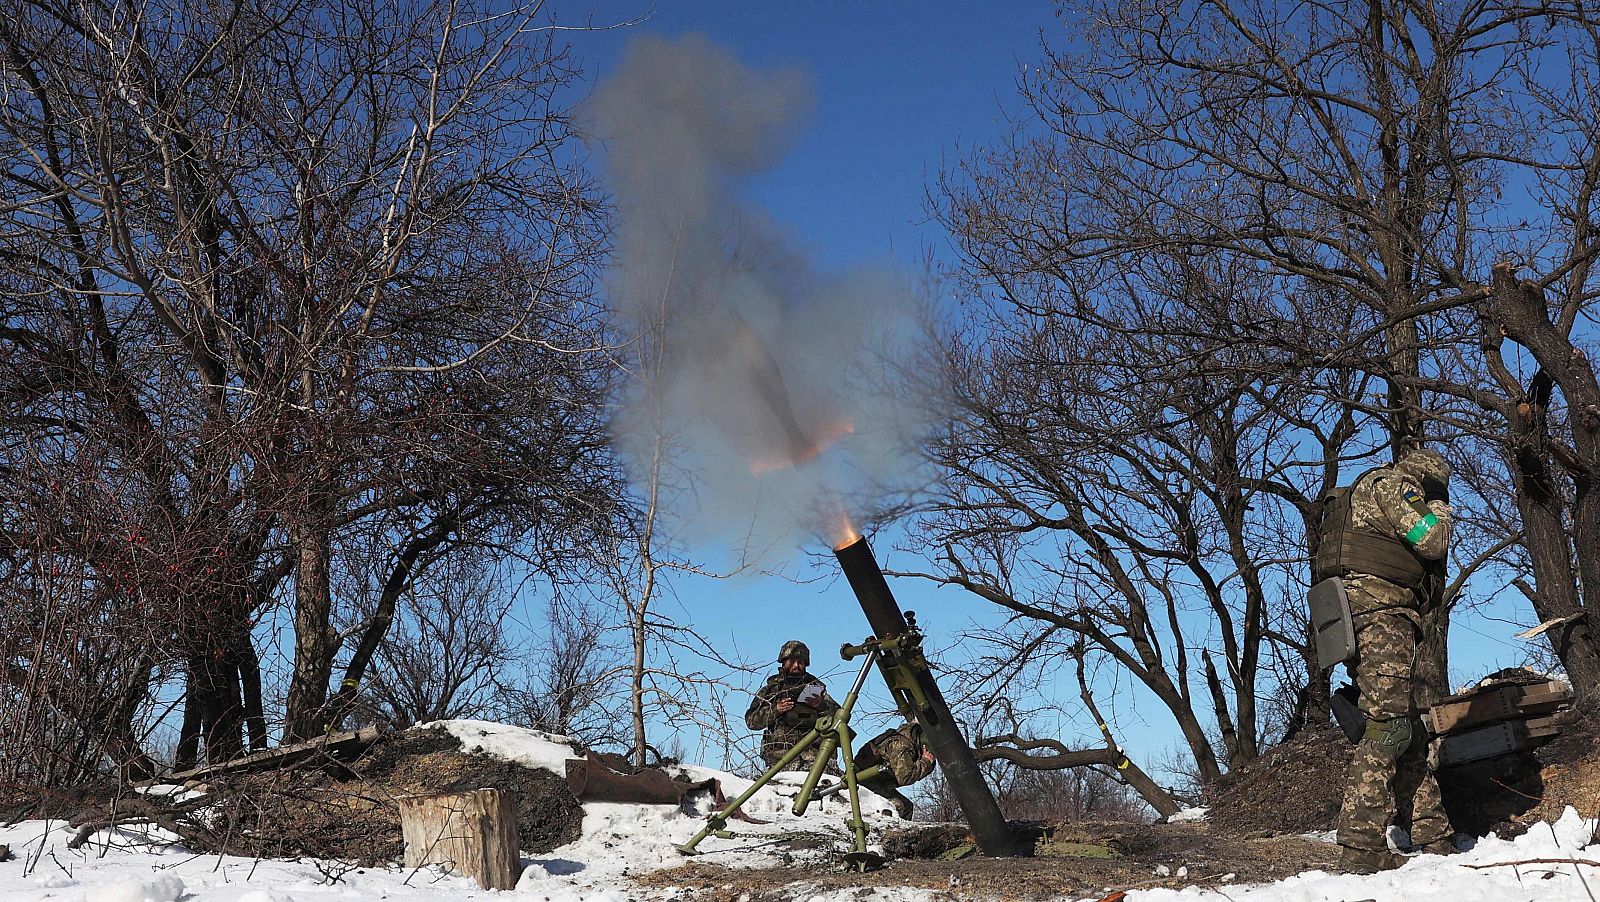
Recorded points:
(1541, 728)
(334, 744)
(1496, 703)
(1503, 738)
(1538, 697)
(473, 833)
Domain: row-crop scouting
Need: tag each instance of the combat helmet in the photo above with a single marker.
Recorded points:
(1425, 465)
(794, 648)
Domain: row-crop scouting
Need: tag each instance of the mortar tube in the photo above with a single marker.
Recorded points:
(939, 730)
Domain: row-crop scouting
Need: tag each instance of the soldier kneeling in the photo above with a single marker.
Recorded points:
(905, 760)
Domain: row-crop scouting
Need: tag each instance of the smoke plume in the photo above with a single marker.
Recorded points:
(770, 381)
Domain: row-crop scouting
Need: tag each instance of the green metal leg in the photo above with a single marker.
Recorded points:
(861, 777)
(834, 733)
(852, 781)
(717, 822)
(830, 742)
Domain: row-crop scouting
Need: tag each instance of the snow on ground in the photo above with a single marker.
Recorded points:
(1484, 874)
(624, 841)
(529, 748)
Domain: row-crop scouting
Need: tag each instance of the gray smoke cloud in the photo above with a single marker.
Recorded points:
(769, 378)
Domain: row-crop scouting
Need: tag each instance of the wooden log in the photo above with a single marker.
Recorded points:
(347, 744)
(473, 833)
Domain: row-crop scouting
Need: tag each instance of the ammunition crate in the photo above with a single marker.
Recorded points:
(1496, 720)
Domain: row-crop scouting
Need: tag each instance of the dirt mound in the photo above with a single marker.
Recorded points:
(1296, 787)
(1070, 861)
(351, 812)
(1565, 771)
(928, 841)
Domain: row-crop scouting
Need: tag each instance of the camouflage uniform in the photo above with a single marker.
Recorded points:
(781, 731)
(1391, 775)
(906, 760)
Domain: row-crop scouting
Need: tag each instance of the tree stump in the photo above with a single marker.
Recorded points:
(473, 833)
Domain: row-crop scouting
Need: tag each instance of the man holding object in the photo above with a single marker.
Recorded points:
(787, 707)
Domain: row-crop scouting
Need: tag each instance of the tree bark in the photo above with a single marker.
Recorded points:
(1565, 561)
(474, 833)
(315, 643)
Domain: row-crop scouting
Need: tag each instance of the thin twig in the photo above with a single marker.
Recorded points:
(1508, 864)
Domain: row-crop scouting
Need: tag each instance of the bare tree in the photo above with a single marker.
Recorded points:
(673, 670)
(1219, 226)
(1362, 154)
(305, 280)
(574, 682)
(440, 658)
(1123, 468)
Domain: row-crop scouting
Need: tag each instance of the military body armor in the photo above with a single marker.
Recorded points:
(1344, 549)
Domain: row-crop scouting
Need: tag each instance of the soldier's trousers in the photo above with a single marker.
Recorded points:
(1390, 776)
(773, 748)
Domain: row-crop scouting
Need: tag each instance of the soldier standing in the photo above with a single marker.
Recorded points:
(1388, 536)
(787, 707)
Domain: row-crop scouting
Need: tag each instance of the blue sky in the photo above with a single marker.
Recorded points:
(898, 85)
(899, 88)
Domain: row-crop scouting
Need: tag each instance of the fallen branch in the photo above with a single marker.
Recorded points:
(1507, 864)
(1061, 758)
(135, 811)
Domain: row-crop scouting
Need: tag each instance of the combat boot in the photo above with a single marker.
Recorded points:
(1368, 861)
(902, 805)
(1446, 846)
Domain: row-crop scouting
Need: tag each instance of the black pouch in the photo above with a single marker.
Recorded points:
(1351, 721)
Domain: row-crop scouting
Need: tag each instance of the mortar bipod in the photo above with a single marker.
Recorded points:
(833, 732)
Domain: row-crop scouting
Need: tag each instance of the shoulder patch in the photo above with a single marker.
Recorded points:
(1413, 496)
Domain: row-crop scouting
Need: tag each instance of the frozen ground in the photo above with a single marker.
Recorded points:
(620, 842)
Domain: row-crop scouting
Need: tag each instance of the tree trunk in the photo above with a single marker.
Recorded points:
(401, 576)
(1219, 701)
(213, 718)
(122, 745)
(250, 685)
(1565, 561)
(473, 833)
(636, 691)
(314, 641)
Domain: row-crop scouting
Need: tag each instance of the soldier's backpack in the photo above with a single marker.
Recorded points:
(900, 751)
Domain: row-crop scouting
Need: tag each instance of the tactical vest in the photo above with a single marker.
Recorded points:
(1345, 549)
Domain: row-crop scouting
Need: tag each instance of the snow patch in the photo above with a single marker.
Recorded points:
(1438, 877)
(1189, 816)
(529, 748)
(164, 888)
(261, 895)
